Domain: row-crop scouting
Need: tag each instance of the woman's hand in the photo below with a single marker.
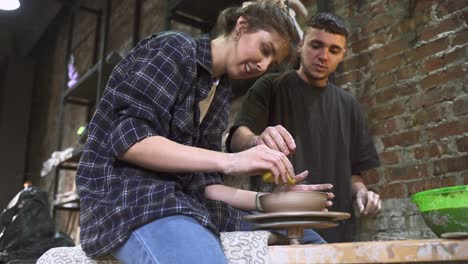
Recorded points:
(258, 160)
(307, 188)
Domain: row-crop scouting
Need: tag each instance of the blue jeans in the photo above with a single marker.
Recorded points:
(310, 236)
(173, 239)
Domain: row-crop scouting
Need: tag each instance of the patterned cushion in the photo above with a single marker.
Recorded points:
(249, 247)
(72, 255)
(239, 247)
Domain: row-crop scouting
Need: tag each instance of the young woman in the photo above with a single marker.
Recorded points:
(149, 177)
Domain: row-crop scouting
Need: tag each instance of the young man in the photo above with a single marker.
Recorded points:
(322, 127)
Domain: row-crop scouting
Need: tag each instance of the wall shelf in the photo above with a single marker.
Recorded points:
(69, 201)
(84, 91)
(72, 162)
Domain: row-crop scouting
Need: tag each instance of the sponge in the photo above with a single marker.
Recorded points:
(268, 177)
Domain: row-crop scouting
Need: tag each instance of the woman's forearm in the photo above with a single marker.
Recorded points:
(241, 199)
(161, 154)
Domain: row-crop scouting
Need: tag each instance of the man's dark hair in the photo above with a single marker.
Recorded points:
(329, 22)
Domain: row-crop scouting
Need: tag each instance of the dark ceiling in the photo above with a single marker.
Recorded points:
(22, 28)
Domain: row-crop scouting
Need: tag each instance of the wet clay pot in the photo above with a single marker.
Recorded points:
(293, 201)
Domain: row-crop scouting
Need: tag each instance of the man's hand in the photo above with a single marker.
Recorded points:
(277, 138)
(368, 202)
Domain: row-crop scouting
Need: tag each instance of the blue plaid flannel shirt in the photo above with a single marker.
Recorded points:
(154, 90)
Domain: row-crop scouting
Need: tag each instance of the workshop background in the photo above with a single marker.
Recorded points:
(406, 63)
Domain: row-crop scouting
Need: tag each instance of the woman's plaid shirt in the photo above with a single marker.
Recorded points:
(154, 90)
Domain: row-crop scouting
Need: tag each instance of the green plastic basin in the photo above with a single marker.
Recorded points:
(445, 209)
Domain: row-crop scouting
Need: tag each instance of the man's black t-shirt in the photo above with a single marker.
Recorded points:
(329, 129)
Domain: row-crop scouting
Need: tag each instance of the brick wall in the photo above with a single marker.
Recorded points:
(405, 63)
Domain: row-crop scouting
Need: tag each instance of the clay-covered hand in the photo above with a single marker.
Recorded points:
(257, 160)
(277, 138)
(368, 202)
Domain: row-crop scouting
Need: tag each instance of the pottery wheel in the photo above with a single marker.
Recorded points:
(295, 222)
(295, 229)
(291, 216)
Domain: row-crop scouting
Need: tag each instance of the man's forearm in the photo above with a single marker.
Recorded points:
(243, 139)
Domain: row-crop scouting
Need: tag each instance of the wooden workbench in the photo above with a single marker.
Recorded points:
(401, 251)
